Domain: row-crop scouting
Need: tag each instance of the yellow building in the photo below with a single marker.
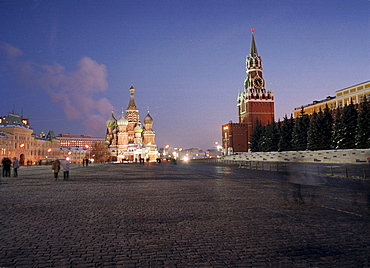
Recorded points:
(18, 140)
(343, 97)
(75, 154)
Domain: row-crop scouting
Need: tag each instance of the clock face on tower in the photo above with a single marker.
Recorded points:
(258, 82)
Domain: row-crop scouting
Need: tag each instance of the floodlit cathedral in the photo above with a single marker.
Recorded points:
(126, 137)
(254, 103)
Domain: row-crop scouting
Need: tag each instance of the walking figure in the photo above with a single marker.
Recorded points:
(55, 167)
(15, 166)
(65, 166)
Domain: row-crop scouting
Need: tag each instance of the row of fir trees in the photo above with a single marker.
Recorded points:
(348, 129)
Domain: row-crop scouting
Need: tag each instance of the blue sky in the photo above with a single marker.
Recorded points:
(66, 64)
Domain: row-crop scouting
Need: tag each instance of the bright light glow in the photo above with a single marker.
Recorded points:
(186, 159)
(21, 145)
(49, 150)
(87, 146)
(67, 158)
(167, 146)
(226, 128)
(69, 153)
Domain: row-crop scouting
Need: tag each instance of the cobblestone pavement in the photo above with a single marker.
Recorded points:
(185, 215)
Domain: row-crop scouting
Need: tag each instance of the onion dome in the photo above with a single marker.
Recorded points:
(122, 121)
(148, 119)
(138, 129)
(112, 122)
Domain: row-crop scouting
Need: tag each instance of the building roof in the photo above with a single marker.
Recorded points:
(12, 120)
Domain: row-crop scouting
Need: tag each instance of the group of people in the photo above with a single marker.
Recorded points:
(7, 164)
(56, 165)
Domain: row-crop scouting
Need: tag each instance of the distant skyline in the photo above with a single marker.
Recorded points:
(67, 64)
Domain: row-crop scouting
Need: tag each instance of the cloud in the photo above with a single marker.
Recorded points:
(10, 51)
(77, 92)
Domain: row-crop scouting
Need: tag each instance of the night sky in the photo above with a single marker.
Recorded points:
(67, 64)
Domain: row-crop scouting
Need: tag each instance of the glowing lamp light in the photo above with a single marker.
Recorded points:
(21, 145)
(226, 128)
(49, 150)
(69, 153)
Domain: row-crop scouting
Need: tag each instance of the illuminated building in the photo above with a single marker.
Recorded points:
(74, 154)
(127, 138)
(18, 140)
(343, 97)
(81, 141)
(254, 103)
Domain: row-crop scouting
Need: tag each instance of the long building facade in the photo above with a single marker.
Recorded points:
(127, 138)
(254, 103)
(18, 140)
(355, 94)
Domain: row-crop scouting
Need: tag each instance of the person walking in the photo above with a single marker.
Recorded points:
(55, 167)
(65, 166)
(15, 166)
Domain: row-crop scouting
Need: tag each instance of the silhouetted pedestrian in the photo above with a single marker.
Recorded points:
(55, 167)
(6, 167)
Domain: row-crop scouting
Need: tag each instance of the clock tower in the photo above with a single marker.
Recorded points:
(254, 103)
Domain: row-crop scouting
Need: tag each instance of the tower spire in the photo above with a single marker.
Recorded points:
(253, 52)
(132, 104)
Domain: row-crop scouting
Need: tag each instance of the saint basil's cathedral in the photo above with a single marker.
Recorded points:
(127, 139)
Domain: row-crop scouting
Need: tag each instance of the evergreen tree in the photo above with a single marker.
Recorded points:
(363, 126)
(314, 133)
(256, 137)
(262, 142)
(345, 128)
(299, 135)
(338, 129)
(326, 126)
(286, 130)
(271, 138)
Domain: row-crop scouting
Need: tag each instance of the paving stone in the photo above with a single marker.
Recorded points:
(196, 215)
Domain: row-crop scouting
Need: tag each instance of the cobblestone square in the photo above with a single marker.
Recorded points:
(185, 215)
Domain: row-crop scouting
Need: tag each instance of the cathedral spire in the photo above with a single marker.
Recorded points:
(132, 104)
(253, 52)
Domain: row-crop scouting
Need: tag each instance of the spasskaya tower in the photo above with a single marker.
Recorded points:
(254, 103)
